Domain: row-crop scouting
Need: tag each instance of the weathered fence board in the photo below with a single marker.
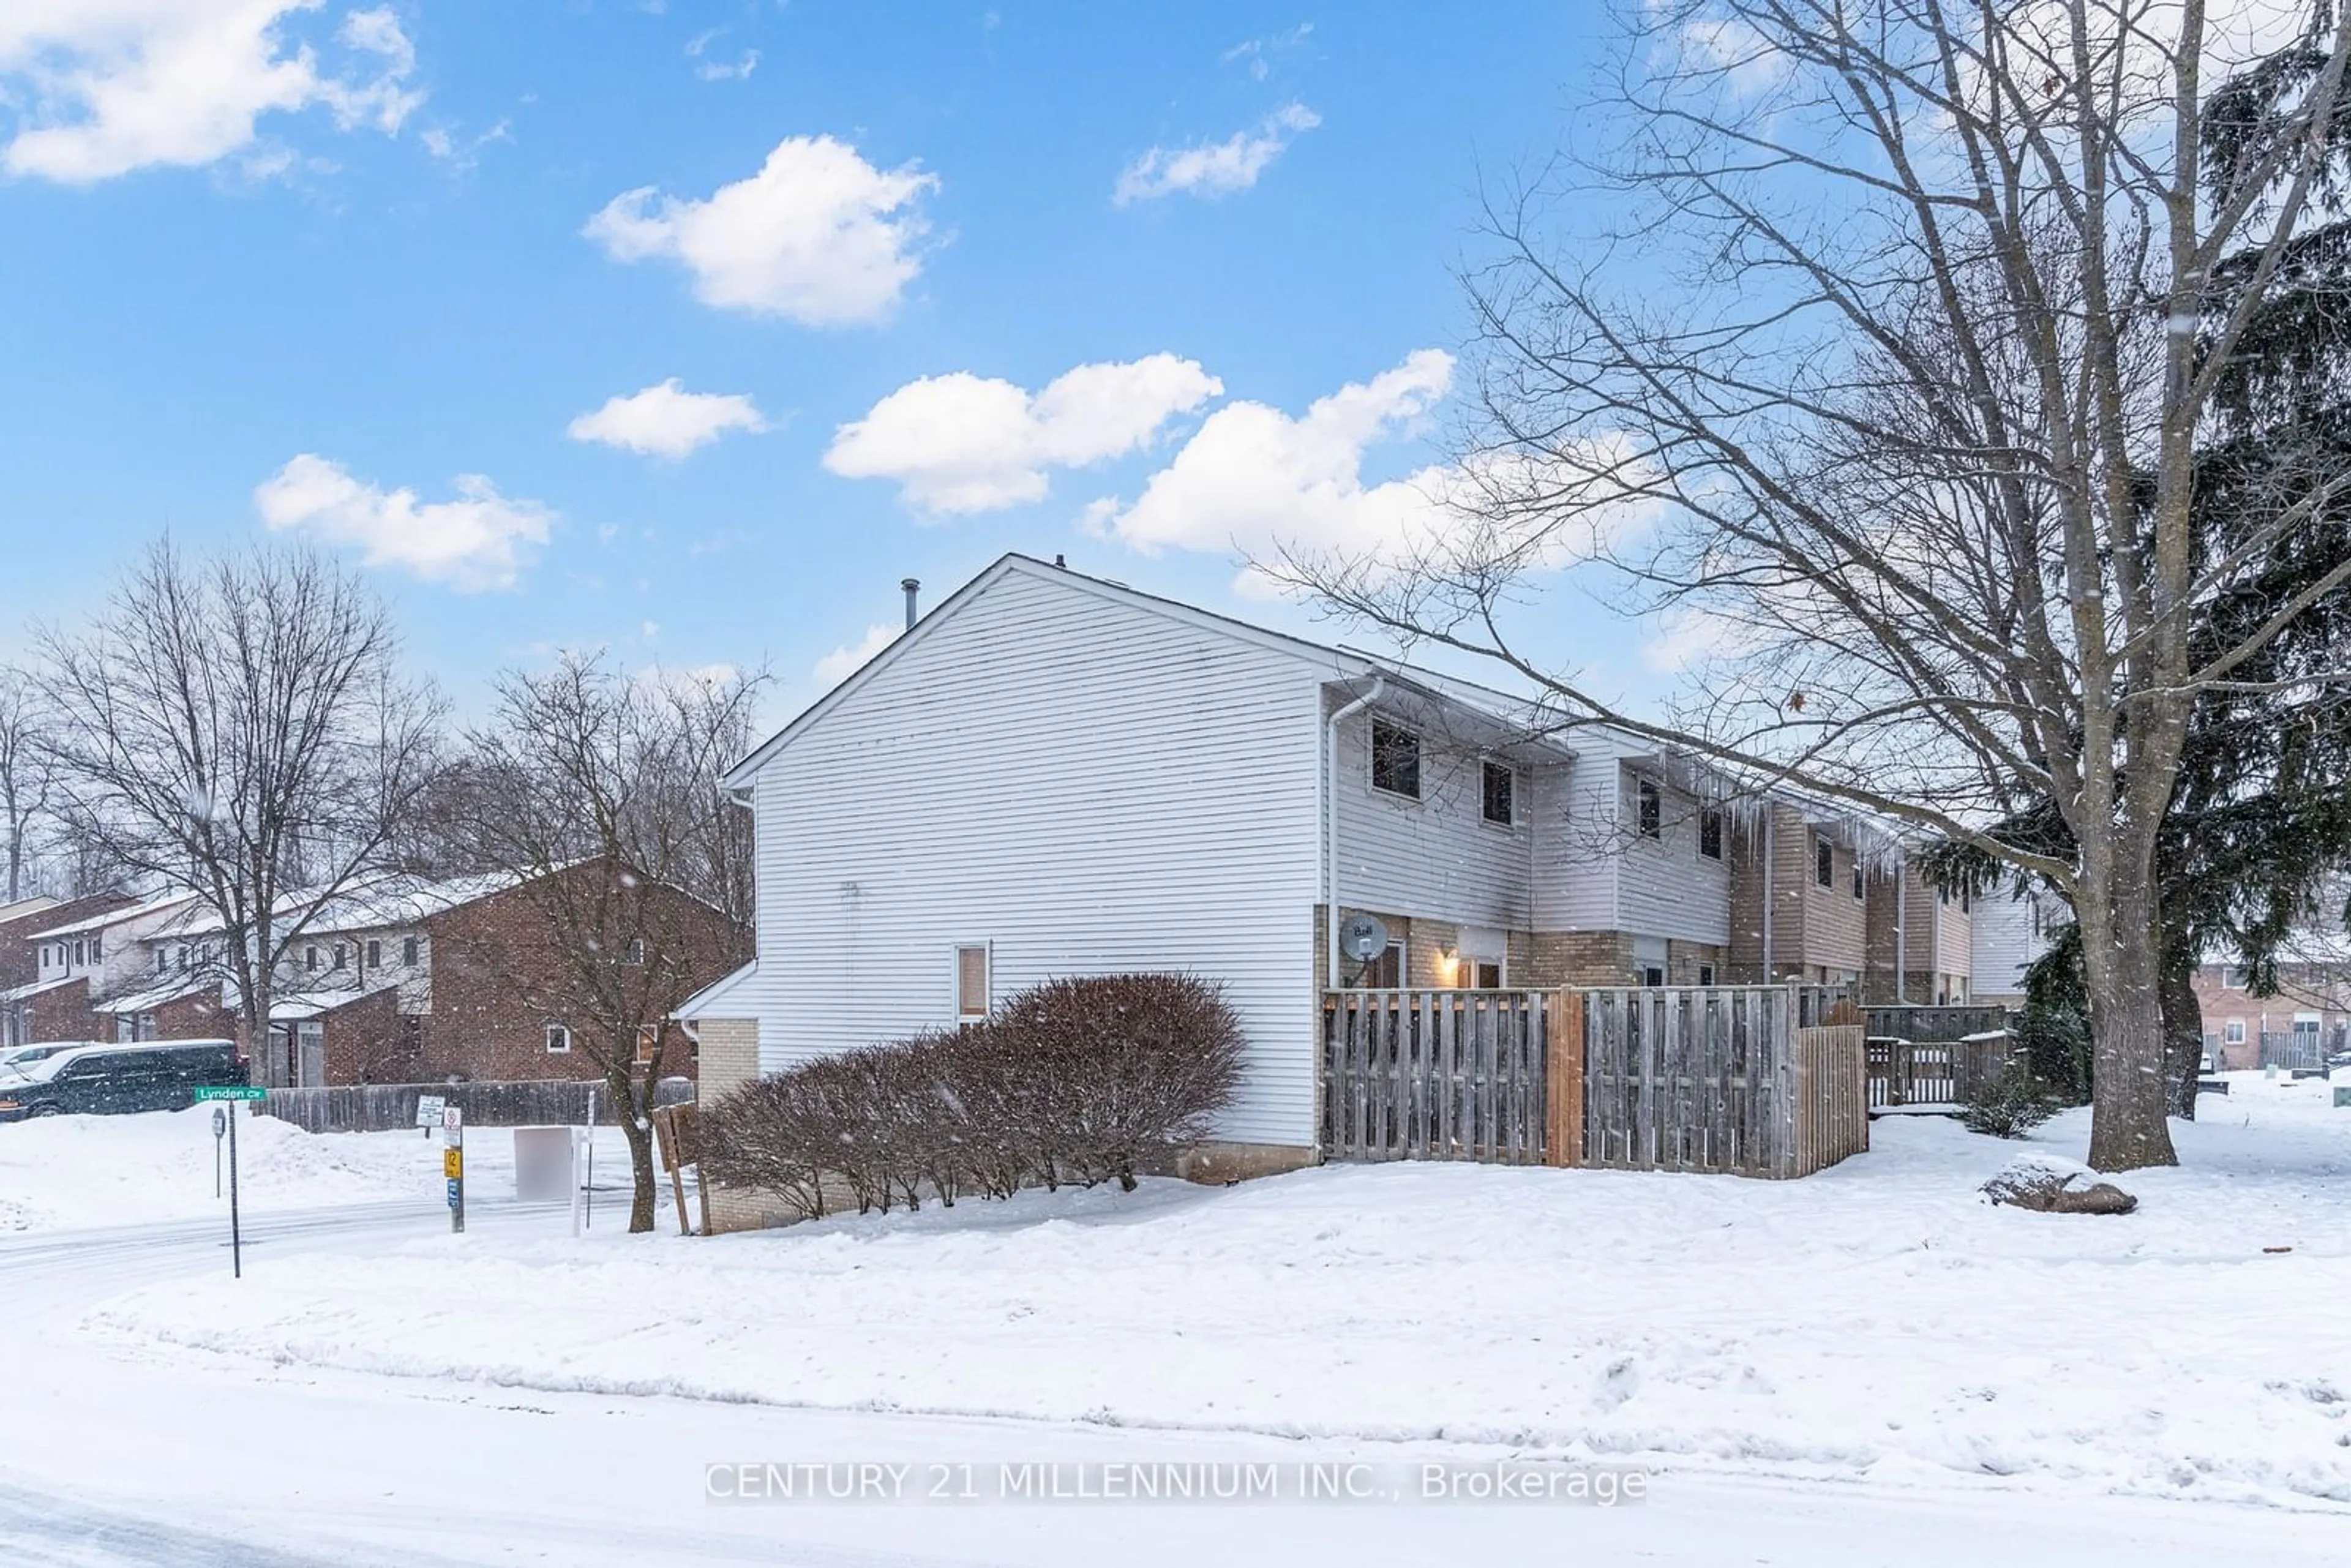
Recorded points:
(389, 1107)
(1433, 1075)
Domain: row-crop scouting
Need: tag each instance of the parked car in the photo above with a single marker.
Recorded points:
(25, 1055)
(112, 1080)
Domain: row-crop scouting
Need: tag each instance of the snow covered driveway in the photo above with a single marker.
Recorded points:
(1878, 1323)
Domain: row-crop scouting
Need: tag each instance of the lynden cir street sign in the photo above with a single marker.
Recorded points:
(230, 1091)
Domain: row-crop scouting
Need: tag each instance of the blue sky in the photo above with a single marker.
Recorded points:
(372, 274)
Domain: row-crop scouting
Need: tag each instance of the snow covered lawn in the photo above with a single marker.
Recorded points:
(58, 1172)
(1879, 1321)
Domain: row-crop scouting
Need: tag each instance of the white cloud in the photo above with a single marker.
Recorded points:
(100, 87)
(1255, 478)
(479, 541)
(818, 235)
(1256, 54)
(1216, 169)
(846, 661)
(666, 421)
(963, 443)
(709, 70)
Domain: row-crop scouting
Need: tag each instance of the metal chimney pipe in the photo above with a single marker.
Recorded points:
(913, 586)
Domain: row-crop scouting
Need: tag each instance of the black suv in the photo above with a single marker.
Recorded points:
(109, 1079)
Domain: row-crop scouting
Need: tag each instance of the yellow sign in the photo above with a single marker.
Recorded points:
(453, 1163)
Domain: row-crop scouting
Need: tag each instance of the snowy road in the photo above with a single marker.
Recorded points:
(116, 1453)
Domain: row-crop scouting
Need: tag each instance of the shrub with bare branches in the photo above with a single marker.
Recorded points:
(1081, 1081)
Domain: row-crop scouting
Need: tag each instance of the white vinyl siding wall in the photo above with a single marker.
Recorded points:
(1664, 887)
(1434, 858)
(2001, 944)
(1084, 784)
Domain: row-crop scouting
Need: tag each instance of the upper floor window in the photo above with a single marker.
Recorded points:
(96, 951)
(311, 956)
(635, 951)
(408, 950)
(375, 953)
(1396, 759)
(1856, 876)
(1649, 810)
(80, 949)
(1824, 862)
(558, 1039)
(1501, 793)
(340, 956)
(648, 1041)
(1967, 901)
(1709, 833)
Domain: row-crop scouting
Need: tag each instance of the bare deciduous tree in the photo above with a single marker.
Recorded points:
(1889, 393)
(241, 726)
(26, 774)
(600, 792)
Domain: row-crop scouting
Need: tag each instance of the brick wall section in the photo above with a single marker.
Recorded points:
(480, 1026)
(65, 1013)
(1579, 958)
(371, 1041)
(730, 1059)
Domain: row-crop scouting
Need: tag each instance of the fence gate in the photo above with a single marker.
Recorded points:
(1433, 1075)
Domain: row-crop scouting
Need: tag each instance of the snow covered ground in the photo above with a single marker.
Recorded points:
(59, 1172)
(1878, 1323)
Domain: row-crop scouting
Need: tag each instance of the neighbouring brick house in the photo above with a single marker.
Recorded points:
(67, 957)
(406, 979)
(2305, 1021)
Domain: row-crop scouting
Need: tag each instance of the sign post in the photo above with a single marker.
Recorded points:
(230, 1091)
(452, 1164)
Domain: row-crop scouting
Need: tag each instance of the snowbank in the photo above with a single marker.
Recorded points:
(1878, 1321)
(58, 1172)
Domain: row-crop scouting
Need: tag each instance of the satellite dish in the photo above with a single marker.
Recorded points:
(1363, 937)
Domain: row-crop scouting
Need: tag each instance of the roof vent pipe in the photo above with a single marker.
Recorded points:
(914, 586)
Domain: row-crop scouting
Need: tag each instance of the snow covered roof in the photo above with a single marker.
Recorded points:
(707, 1001)
(25, 906)
(161, 904)
(300, 1005)
(154, 996)
(22, 993)
(400, 899)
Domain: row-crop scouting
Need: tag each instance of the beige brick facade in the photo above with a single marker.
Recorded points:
(730, 1059)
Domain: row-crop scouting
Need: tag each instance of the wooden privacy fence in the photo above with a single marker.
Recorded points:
(1926, 1025)
(1715, 1079)
(387, 1107)
(1433, 1075)
(1719, 1079)
(1910, 1073)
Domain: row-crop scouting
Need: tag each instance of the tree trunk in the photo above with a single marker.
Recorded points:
(633, 1107)
(2129, 1090)
(2183, 1033)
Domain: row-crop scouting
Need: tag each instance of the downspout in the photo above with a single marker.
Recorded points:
(1331, 825)
(1902, 931)
(1770, 874)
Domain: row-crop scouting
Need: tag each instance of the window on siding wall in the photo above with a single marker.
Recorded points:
(1501, 788)
(340, 957)
(1824, 862)
(1706, 974)
(1709, 833)
(1856, 876)
(97, 949)
(408, 949)
(558, 1039)
(1396, 759)
(971, 982)
(375, 953)
(311, 957)
(1649, 810)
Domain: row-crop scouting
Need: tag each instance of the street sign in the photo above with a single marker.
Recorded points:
(451, 1118)
(230, 1091)
(456, 1194)
(428, 1110)
(453, 1163)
